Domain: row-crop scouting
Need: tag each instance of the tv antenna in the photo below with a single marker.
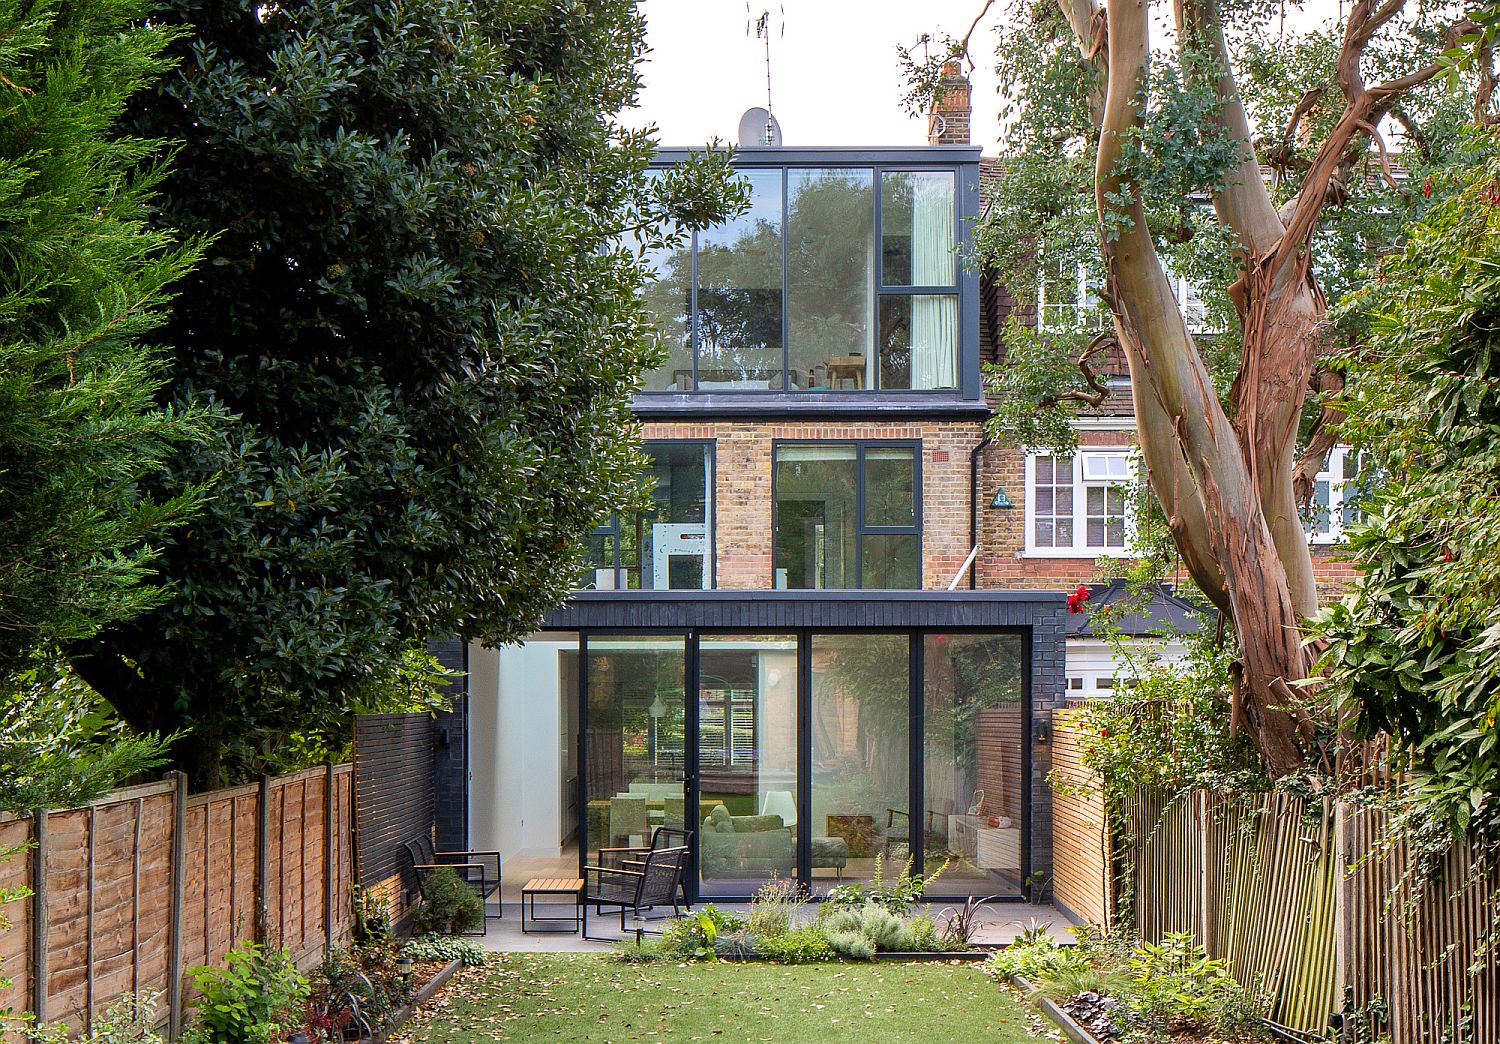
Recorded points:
(762, 28)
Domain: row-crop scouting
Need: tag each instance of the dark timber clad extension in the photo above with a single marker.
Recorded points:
(396, 792)
(1041, 615)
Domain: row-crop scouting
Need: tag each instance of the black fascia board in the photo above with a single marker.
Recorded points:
(799, 405)
(834, 155)
(774, 609)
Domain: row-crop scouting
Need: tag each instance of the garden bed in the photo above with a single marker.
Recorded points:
(435, 975)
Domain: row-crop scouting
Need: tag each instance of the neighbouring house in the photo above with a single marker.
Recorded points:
(835, 639)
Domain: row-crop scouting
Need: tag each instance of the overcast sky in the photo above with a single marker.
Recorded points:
(835, 78)
(834, 73)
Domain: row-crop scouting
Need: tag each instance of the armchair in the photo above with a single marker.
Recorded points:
(471, 865)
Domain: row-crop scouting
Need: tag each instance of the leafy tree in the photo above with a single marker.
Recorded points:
(1116, 152)
(83, 280)
(1414, 649)
(424, 331)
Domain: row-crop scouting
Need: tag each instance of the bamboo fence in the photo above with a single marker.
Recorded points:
(135, 888)
(1309, 903)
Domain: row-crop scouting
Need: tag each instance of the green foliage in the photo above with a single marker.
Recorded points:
(697, 935)
(449, 906)
(862, 931)
(422, 324)
(60, 744)
(775, 906)
(898, 896)
(1154, 991)
(255, 999)
(372, 916)
(359, 986)
(129, 1020)
(444, 948)
(1414, 648)
(84, 286)
(803, 944)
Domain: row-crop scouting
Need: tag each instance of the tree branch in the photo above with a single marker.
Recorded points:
(1100, 390)
(1323, 437)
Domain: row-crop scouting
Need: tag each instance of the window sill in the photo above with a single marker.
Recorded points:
(1073, 553)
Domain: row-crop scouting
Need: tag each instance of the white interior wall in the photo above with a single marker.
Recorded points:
(516, 753)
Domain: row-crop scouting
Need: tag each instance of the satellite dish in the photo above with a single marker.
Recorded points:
(759, 127)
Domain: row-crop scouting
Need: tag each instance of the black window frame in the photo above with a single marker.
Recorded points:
(611, 527)
(861, 529)
(964, 289)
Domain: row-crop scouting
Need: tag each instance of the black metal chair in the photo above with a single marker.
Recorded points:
(654, 884)
(472, 865)
(634, 858)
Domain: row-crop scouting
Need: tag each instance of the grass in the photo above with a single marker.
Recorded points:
(596, 997)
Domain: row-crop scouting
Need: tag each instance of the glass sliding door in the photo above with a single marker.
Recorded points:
(636, 741)
(747, 761)
(861, 728)
(973, 768)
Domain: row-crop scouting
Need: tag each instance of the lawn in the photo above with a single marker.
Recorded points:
(596, 997)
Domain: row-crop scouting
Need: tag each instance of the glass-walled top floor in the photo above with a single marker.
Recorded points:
(839, 277)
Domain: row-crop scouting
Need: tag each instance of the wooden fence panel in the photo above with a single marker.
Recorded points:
(1081, 868)
(15, 945)
(107, 908)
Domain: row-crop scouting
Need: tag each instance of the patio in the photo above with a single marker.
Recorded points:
(1000, 925)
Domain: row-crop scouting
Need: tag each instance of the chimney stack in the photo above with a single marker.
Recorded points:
(948, 123)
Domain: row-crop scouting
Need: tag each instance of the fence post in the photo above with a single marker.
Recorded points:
(179, 904)
(1207, 893)
(330, 872)
(263, 862)
(39, 917)
(1345, 947)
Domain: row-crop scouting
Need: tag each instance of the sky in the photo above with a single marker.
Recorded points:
(835, 77)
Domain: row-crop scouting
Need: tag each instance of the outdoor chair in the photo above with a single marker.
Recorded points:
(636, 891)
(471, 865)
(634, 858)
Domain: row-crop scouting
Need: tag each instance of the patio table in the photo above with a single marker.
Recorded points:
(569, 886)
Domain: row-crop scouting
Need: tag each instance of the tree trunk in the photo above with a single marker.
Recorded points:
(1226, 470)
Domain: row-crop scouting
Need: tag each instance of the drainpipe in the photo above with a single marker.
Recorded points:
(974, 509)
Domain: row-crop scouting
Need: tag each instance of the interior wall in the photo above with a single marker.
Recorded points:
(516, 750)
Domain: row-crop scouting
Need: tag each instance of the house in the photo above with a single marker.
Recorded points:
(833, 642)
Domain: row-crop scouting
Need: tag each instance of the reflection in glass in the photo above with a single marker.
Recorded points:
(916, 228)
(747, 761)
(636, 740)
(739, 294)
(918, 341)
(890, 561)
(860, 771)
(974, 714)
(670, 544)
(816, 521)
(830, 277)
(665, 289)
(890, 486)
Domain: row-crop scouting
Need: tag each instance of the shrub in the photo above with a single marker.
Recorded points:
(898, 897)
(254, 999)
(130, 1020)
(444, 948)
(872, 928)
(803, 944)
(642, 951)
(1036, 955)
(697, 934)
(773, 909)
(920, 935)
(449, 905)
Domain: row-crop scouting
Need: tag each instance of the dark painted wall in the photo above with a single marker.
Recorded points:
(450, 750)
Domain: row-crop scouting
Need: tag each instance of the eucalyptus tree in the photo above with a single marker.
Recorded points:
(1245, 159)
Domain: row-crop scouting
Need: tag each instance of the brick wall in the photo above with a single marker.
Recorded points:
(742, 472)
(743, 502)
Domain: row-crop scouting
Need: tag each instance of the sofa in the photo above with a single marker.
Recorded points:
(758, 846)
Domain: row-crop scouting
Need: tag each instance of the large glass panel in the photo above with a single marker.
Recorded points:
(890, 561)
(830, 277)
(670, 544)
(916, 228)
(666, 290)
(739, 294)
(636, 742)
(974, 714)
(918, 341)
(816, 516)
(860, 748)
(747, 761)
(890, 486)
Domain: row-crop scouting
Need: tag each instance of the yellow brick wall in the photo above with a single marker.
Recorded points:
(742, 478)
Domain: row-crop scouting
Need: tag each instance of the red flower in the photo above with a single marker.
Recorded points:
(1427, 187)
(1104, 734)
